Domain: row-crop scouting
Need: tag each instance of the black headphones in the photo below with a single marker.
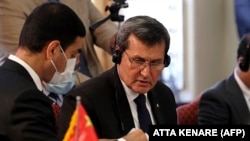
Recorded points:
(244, 64)
(117, 56)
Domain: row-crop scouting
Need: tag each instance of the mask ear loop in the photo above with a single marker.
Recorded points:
(63, 52)
(64, 56)
(74, 73)
(53, 64)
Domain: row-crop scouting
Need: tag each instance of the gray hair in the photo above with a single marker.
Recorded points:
(146, 29)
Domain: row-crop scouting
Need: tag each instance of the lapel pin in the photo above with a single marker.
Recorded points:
(157, 105)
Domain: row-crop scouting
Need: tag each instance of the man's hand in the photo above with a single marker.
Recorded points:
(133, 135)
(136, 135)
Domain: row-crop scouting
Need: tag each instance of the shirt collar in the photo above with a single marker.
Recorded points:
(131, 95)
(243, 87)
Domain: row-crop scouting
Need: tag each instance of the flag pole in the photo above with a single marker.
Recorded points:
(78, 102)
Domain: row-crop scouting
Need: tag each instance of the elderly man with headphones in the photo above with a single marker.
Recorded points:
(129, 95)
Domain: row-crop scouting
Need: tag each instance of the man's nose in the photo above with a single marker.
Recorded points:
(146, 70)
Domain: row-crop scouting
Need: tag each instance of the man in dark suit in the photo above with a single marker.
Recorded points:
(228, 101)
(139, 55)
(48, 50)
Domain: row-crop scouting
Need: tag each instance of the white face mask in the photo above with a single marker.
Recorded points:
(62, 88)
(58, 77)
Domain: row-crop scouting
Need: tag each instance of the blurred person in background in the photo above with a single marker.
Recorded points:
(13, 14)
(242, 10)
(228, 101)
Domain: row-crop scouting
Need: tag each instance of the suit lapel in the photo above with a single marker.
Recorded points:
(17, 68)
(155, 106)
(237, 99)
(123, 108)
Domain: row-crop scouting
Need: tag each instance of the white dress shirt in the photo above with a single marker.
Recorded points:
(244, 88)
(35, 78)
(31, 72)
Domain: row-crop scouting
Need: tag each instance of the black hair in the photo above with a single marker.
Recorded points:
(51, 21)
(243, 46)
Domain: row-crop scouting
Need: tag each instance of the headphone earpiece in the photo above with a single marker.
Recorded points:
(244, 63)
(167, 60)
(116, 56)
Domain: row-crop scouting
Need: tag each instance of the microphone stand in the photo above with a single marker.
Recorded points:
(114, 15)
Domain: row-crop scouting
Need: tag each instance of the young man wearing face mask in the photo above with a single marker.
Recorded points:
(61, 83)
(48, 52)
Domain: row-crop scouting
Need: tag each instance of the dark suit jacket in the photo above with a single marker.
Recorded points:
(106, 103)
(224, 103)
(25, 112)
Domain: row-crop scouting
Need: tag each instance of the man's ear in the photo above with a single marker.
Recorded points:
(52, 48)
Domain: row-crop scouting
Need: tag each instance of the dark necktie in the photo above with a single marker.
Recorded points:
(143, 114)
